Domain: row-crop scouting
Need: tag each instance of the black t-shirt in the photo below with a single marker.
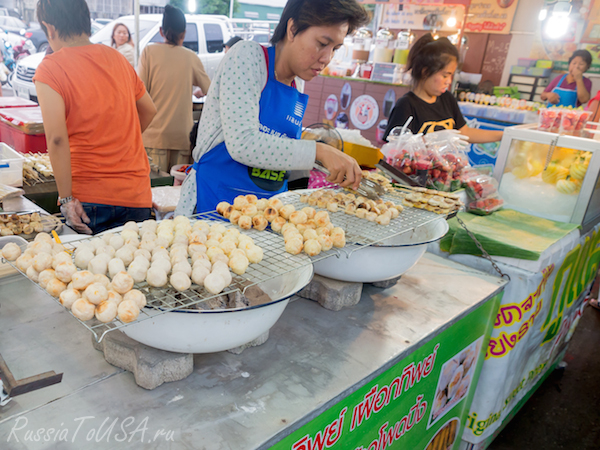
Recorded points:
(444, 114)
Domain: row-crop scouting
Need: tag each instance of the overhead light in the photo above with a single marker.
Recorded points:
(543, 14)
(451, 22)
(192, 5)
(557, 26)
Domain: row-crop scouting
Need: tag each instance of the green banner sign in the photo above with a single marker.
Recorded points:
(421, 402)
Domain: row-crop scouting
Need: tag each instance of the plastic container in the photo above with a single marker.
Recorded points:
(178, 175)
(364, 156)
(480, 186)
(22, 142)
(11, 166)
(568, 121)
(547, 118)
(483, 207)
(29, 119)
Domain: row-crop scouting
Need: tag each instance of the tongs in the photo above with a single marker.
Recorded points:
(366, 188)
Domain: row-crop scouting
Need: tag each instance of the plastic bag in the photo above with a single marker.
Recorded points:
(479, 186)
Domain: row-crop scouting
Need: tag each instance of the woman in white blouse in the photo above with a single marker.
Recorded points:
(121, 40)
(248, 137)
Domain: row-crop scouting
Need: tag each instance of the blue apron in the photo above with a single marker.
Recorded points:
(220, 178)
(567, 96)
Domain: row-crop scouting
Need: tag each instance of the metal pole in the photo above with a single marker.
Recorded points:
(136, 11)
(231, 9)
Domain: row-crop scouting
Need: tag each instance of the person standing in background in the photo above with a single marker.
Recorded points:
(95, 108)
(170, 71)
(122, 42)
(572, 88)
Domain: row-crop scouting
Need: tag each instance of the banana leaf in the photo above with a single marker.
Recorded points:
(508, 233)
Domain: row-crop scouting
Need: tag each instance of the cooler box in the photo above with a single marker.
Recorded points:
(23, 129)
(11, 166)
(15, 102)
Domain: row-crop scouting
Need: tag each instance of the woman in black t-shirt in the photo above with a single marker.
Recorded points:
(432, 64)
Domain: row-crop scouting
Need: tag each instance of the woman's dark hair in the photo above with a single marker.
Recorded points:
(173, 24)
(428, 56)
(69, 17)
(583, 54)
(317, 13)
(112, 36)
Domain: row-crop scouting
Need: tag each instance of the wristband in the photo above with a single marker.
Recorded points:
(65, 200)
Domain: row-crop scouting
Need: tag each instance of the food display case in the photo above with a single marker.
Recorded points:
(550, 175)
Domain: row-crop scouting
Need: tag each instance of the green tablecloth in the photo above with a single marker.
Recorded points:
(505, 233)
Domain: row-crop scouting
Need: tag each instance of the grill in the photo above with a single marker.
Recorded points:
(276, 260)
(24, 73)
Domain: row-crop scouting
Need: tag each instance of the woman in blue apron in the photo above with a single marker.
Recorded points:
(572, 88)
(248, 137)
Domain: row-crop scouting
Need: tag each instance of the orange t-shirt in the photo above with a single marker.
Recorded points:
(100, 88)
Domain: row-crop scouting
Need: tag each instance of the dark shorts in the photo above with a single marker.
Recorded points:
(103, 217)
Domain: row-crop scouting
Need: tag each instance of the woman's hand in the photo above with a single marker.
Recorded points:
(75, 216)
(576, 73)
(344, 169)
(552, 97)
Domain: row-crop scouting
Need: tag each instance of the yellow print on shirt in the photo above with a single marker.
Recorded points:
(429, 127)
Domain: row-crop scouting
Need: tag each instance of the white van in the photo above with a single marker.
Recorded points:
(205, 35)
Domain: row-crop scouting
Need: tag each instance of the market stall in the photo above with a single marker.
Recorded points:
(317, 366)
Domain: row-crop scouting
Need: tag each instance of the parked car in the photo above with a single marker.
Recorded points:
(12, 24)
(38, 38)
(102, 21)
(205, 35)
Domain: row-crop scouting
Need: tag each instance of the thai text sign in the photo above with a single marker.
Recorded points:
(419, 401)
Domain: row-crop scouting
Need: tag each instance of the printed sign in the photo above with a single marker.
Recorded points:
(364, 112)
(393, 410)
(346, 95)
(331, 106)
(531, 330)
(491, 16)
(423, 17)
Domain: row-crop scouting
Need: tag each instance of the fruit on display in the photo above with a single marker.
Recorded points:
(566, 170)
(554, 172)
(563, 120)
(579, 168)
(567, 186)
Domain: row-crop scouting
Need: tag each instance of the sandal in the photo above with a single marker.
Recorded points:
(594, 303)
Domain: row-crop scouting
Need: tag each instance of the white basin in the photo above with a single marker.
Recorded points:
(384, 261)
(208, 331)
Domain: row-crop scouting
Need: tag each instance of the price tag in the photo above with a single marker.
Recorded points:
(383, 72)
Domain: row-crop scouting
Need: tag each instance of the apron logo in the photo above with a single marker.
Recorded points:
(299, 109)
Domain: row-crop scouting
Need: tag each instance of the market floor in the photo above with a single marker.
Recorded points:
(564, 413)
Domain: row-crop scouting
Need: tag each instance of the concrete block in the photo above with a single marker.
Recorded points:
(386, 283)
(332, 294)
(151, 367)
(258, 341)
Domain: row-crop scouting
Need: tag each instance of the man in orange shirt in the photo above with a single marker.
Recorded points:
(95, 108)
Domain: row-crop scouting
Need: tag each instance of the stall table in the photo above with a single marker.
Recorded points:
(282, 394)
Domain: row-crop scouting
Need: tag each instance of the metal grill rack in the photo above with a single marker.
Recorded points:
(361, 232)
(276, 260)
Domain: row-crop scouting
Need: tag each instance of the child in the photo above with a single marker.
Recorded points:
(432, 107)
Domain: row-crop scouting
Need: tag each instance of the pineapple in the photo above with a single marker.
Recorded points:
(567, 186)
(578, 169)
(554, 172)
